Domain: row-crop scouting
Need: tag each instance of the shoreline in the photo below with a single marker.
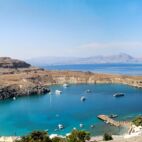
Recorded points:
(116, 138)
(30, 81)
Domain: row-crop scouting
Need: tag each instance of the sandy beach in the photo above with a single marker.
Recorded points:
(97, 139)
(117, 139)
(8, 139)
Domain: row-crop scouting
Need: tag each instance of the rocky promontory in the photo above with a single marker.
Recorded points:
(7, 62)
(18, 78)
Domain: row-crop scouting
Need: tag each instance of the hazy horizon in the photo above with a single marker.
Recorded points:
(70, 28)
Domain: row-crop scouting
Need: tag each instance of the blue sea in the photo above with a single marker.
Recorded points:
(45, 112)
(126, 69)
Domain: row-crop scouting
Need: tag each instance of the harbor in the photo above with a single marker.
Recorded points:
(113, 122)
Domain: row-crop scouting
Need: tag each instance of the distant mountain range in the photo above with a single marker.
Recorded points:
(120, 58)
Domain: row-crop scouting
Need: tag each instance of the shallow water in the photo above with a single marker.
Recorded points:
(44, 112)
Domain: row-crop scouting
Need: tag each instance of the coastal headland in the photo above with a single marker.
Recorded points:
(18, 78)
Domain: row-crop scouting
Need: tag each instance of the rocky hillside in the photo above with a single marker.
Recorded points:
(6, 62)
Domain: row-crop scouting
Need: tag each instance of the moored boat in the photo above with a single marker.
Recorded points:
(58, 92)
(81, 125)
(65, 85)
(61, 126)
(113, 116)
(88, 91)
(118, 95)
(92, 126)
(14, 98)
(83, 98)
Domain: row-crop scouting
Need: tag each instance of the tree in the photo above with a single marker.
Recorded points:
(78, 136)
(58, 139)
(36, 136)
(138, 121)
(107, 137)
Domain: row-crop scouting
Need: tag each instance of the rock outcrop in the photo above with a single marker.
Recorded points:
(15, 91)
(6, 62)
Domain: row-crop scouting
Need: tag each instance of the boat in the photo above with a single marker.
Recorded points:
(83, 98)
(60, 126)
(46, 130)
(107, 122)
(88, 91)
(50, 93)
(81, 125)
(14, 98)
(113, 116)
(92, 126)
(55, 130)
(65, 85)
(118, 95)
(58, 92)
(57, 115)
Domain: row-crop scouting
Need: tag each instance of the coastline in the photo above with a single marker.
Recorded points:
(34, 81)
(16, 82)
(116, 138)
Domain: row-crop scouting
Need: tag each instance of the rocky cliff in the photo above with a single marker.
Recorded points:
(6, 62)
(28, 80)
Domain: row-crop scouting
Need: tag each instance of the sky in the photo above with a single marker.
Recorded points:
(76, 28)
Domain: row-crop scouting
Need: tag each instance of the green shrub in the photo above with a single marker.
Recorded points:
(138, 121)
(36, 136)
(58, 139)
(107, 137)
(78, 136)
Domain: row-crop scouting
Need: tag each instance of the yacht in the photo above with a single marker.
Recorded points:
(65, 85)
(88, 91)
(83, 98)
(58, 92)
(61, 126)
(118, 95)
(14, 98)
(81, 125)
(113, 116)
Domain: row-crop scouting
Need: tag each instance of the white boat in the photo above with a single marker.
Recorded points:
(83, 98)
(113, 116)
(49, 93)
(58, 92)
(107, 122)
(57, 115)
(55, 130)
(60, 126)
(92, 126)
(88, 91)
(14, 98)
(118, 95)
(46, 130)
(65, 85)
(81, 125)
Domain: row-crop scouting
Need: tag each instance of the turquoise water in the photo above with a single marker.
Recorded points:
(127, 69)
(44, 112)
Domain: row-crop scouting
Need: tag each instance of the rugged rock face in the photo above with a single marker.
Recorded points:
(15, 91)
(6, 62)
(61, 77)
(22, 80)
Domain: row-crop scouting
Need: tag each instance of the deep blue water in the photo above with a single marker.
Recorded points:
(43, 112)
(128, 69)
